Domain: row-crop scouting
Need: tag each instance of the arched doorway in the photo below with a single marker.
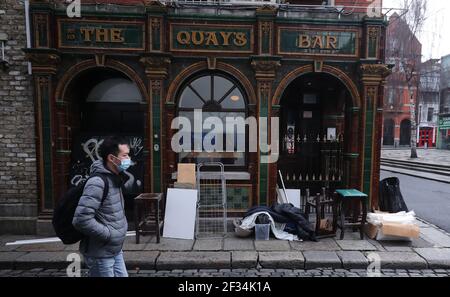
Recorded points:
(313, 126)
(101, 102)
(405, 132)
(388, 132)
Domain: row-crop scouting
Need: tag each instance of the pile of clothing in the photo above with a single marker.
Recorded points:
(287, 222)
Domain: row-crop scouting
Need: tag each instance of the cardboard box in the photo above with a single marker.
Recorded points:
(178, 185)
(186, 174)
(326, 224)
(392, 231)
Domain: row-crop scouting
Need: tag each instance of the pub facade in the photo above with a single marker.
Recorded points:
(132, 69)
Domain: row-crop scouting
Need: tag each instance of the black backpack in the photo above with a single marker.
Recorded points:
(65, 211)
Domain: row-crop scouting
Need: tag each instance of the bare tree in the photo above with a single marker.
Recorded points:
(410, 56)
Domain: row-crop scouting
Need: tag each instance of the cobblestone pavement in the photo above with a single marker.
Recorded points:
(39, 272)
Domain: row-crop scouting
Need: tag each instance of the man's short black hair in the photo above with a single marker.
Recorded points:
(110, 145)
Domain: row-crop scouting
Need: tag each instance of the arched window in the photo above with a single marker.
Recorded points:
(111, 103)
(218, 96)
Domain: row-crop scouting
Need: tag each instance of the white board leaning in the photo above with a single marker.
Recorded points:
(181, 209)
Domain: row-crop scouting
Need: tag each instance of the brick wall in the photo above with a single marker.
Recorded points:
(18, 181)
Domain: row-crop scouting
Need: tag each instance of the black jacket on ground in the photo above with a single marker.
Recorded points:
(288, 214)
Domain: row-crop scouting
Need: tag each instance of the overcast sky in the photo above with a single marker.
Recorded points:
(435, 35)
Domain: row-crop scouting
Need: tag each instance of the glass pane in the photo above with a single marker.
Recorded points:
(236, 137)
(234, 100)
(202, 86)
(190, 100)
(221, 87)
(115, 90)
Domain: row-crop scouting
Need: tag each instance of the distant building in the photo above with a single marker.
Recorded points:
(400, 44)
(444, 116)
(428, 101)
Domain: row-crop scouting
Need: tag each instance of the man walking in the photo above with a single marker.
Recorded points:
(103, 222)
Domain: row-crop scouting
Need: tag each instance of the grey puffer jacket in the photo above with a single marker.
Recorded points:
(104, 225)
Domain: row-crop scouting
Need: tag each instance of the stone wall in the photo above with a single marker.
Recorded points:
(18, 177)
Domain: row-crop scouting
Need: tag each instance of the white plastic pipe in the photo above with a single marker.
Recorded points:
(284, 188)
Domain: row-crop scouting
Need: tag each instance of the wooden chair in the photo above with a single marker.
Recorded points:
(320, 204)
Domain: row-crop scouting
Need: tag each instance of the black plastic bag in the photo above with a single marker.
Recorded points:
(391, 199)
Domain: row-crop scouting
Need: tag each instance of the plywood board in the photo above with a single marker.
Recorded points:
(181, 209)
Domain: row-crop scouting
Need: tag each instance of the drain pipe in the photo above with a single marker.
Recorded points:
(28, 30)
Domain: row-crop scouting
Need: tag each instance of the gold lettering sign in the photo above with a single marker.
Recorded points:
(104, 35)
(95, 34)
(220, 38)
(317, 42)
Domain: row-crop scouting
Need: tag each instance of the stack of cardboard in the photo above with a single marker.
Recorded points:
(400, 226)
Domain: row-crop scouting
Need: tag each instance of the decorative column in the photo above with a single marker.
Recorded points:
(373, 76)
(44, 65)
(352, 149)
(265, 69)
(155, 26)
(156, 69)
(44, 61)
(265, 66)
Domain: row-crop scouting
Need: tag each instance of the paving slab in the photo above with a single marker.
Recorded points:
(190, 260)
(170, 244)
(414, 243)
(436, 257)
(321, 259)
(7, 259)
(42, 247)
(400, 260)
(131, 245)
(140, 259)
(327, 244)
(238, 244)
(356, 245)
(244, 259)
(11, 238)
(423, 224)
(349, 235)
(72, 247)
(272, 245)
(353, 259)
(208, 244)
(286, 260)
(436, 237)
(8, 248)
(377, 244)
(398, 249)
(56, 260)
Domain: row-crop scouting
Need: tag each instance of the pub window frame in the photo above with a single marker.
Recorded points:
(245, 110)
